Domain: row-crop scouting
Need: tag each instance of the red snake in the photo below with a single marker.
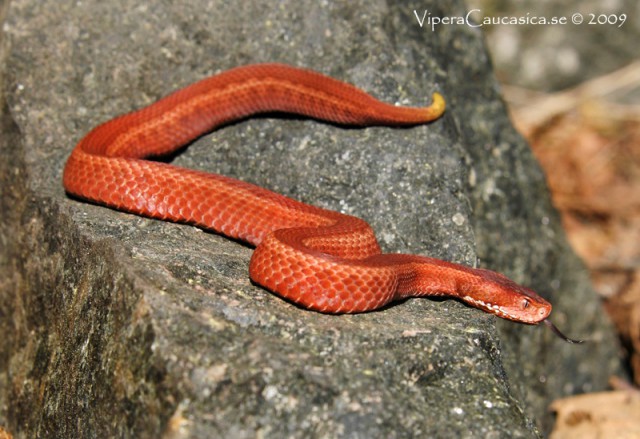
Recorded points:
(317, 258)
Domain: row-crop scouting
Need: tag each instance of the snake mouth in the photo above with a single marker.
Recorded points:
(503, 312)
(559, 333)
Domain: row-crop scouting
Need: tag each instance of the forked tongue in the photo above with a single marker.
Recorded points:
(557, 332)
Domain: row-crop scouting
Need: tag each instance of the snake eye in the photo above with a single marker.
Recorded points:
(525, 303)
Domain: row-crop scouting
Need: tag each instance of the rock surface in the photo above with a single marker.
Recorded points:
(122, 326)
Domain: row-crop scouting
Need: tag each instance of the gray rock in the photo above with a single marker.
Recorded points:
(122, 326)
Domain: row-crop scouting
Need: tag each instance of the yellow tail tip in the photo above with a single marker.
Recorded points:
(437, 107)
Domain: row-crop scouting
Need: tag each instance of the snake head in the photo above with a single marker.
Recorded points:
(499, 295)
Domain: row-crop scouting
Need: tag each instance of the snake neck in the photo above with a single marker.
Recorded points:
(488, 290)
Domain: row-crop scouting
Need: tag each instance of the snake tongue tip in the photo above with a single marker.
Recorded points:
(557, 332)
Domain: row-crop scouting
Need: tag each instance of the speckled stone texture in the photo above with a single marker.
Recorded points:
(120, 326)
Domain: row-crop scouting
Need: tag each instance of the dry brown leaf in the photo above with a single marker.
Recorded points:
(598, 415)
(4, 434)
